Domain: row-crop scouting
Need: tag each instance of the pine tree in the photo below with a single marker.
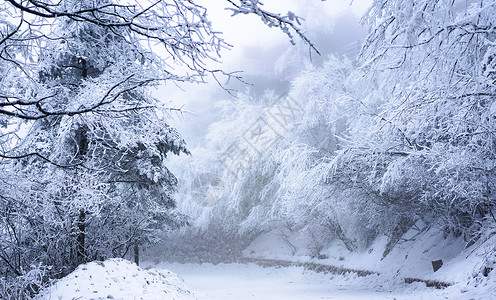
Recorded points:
(102, 187)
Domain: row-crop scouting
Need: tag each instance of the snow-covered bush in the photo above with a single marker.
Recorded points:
(117, 279)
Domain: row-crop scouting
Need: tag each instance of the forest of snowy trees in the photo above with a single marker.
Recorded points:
(356, 148)
(370, 147)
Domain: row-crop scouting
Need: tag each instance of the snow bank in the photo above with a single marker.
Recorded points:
(117, 279)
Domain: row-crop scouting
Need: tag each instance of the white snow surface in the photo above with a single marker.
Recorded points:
(250, 281)
(117, 279)
(463, 268)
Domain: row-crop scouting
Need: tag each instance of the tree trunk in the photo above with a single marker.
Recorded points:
(136, 254)
(81, 224)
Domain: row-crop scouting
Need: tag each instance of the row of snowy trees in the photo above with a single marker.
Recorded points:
(83, 143)
(405, 134)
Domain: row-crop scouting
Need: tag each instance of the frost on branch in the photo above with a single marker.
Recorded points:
(289, 23)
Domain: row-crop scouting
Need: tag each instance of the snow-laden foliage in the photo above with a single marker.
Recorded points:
(435, 60)
(265, 163)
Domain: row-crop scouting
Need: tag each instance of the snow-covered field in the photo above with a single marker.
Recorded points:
(249, 281)
(121, 279)
(463, 268)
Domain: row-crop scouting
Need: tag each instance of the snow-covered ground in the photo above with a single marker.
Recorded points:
(409, 258)
(119, 279)
(469, 271)
(249, 281)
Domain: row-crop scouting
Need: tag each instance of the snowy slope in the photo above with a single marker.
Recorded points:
(117, 279)
(468, 270)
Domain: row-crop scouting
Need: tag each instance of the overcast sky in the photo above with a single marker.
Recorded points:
(265, 55)
(247, 33)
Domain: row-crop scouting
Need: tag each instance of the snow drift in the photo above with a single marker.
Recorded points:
(117, 279)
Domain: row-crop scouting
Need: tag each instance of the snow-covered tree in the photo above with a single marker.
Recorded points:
(405, 136)
(266, 162)
(180, 31)
(435, 60)
(102, 186)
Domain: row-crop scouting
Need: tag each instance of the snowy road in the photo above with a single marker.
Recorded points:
(240, 281)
